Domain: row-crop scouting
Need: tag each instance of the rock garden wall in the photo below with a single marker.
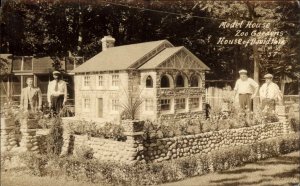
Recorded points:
(136, 149)
(181, 146)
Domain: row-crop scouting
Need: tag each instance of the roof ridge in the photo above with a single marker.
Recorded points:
(138, 43)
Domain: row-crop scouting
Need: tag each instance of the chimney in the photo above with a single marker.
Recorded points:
(107, 42)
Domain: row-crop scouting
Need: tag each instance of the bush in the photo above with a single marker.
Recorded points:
(113, 173)
(108, 130)
(55, 138)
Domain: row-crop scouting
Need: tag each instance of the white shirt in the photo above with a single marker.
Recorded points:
(61, 89)
(245, 87)
(270, 91)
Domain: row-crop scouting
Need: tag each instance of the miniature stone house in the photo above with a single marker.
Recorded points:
(169, 80)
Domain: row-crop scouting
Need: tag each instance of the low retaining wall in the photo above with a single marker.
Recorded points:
(136, 149)
(105, 149)
(181, 146)
(22, 136)
(8, 134)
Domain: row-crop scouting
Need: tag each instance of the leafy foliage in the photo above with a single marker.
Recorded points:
(91, 170)
(108, 130)
(55, 28)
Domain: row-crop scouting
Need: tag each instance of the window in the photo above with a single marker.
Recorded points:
(86, 104)
(165, 104)
(86, 81)
(115, 80)
(27, 63)
(149, 104)
(194, 103)
(180, 103)
(164, 81)
(22, 64)
(100, 81)
(115, 105)
(194, 81)
(17, 63)
(179, 81)
(149, 82)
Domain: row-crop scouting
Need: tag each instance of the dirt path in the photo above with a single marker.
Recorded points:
(283, 170)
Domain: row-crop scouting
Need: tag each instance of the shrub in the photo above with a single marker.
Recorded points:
(90, 128)
(113, 173)
(55, 138)
(35, 163)
(5, 157)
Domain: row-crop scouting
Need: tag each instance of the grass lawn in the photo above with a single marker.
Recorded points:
(283, 170)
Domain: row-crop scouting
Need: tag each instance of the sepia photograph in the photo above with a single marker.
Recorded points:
(150, 92)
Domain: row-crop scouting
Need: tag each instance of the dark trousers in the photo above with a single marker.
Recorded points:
(57, 103)
(245, 101)
(270, 103)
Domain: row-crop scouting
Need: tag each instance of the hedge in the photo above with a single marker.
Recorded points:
(92, 170)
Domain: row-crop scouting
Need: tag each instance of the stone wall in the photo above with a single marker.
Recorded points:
(136, 149)
(105, 149)
(21, 136)
(8, 134)
(181, 146)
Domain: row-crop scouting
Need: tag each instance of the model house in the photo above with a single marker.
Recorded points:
(169, 80)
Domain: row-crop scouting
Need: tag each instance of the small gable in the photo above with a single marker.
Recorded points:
(175, 58)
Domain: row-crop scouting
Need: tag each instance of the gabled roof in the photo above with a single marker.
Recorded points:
(120, 57)
(161, 57)
(167, 53)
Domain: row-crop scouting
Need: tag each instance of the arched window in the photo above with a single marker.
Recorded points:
(194, 81)
(149, 82)
(164, 81)
(179, 81)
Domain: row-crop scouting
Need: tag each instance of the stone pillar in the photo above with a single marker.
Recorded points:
(68, 143)
(29, 140)
(282, 115)
(134, 133)
(8, 140)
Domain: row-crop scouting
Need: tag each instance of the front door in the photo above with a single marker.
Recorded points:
(100, 107)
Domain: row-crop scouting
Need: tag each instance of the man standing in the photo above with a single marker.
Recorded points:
(57, 93)
(269, 93)
(31, 97)
(247, 89)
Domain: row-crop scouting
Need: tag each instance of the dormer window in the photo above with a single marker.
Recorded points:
(149, 82)
(164, 82)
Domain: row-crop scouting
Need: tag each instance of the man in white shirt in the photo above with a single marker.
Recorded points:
(247, 89)
(269, 93)
(57, 93)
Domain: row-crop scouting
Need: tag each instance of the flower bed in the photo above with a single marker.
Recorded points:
(90, 128)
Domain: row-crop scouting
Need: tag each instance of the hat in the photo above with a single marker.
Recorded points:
(268, 76)
(243, 71)
(56, 72)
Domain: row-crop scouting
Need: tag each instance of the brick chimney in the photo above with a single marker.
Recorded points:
(107, 42)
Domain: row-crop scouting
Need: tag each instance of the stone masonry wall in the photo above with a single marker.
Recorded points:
(181, 146)
(136, 149)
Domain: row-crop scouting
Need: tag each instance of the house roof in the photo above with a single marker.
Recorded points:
(148, 55)
(119, 58)
(161, 57)
(166, 54)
